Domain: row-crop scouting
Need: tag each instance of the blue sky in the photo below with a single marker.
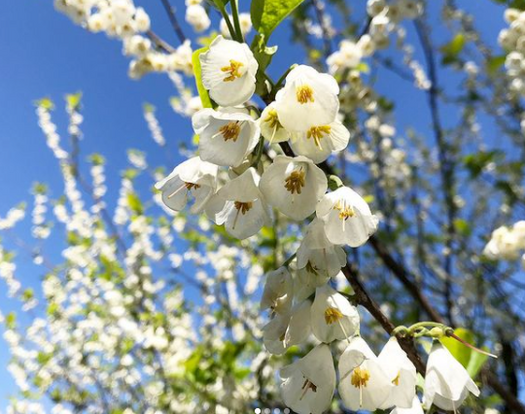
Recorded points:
(44, 54)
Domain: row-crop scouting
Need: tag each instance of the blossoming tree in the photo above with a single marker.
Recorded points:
(302, 233)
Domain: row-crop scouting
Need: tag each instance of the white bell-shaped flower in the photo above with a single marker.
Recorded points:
(228, 72)
(271, 128)
(363, 384)
(415, 408)
(447, 382)
(317, 254)
(239, 206)
(333, 317)
(308, 99)
(402, 374)
(347, 217)
(226, 136)
(306, 280)
(308, 384)
(284, 331)
(320, 141)
(293, 186)
(278, 291)
(192, 176)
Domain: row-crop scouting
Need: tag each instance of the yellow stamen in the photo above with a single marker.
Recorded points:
(233, 70)
(360, 377)
(304, 94)
(231, 131)
(395, 381)
(295, 182)
(332, 315)
(273, 119)
(318, 132)
(345, 211)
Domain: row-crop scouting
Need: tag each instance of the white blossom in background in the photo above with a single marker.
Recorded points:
(506, 243)
(245, 22)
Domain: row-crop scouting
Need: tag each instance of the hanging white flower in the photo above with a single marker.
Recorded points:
(309, 383)
(226, 136)
(447, 382)
(271, 128)
(333, 317)
(363, 384)
(320, 141)
(239, 206)
(415, 408)
(278, 291)
(347, 217)
(286, 330)
(293, 186)
(192, 176)
(317, 254)
(402, 374)
(228, 72)
(308, 99)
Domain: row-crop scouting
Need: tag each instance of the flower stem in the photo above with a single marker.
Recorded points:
(289, 260)
(481, 351)
(226, 18)
(236, 21)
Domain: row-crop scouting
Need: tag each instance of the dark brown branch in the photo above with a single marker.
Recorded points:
(173, 20)
(363, 299)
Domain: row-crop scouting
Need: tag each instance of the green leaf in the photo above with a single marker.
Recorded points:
(73, 99)
(147, 107)
(135, 204)
(197, 71)
(263, 54)
(494, 63)
(268, 14)
(218, 4)
(457, 349)
(462, 227)
(452, 49)
(477, 162)
(476, 362)
(45, 103)
(10, 320)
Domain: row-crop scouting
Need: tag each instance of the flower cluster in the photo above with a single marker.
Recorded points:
(512, 40)
(123, 20)
(507, 243)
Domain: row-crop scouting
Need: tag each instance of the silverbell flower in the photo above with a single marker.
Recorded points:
(226, 136)
(333, 317)
(447, 382)
(308, 384)
(347, 218)
(228, 72)
(293, 185)
(240, 206)
(192, 176)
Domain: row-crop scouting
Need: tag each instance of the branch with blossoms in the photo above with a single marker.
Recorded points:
(289, 185)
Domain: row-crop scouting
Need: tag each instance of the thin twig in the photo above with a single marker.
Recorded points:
(173, 20)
